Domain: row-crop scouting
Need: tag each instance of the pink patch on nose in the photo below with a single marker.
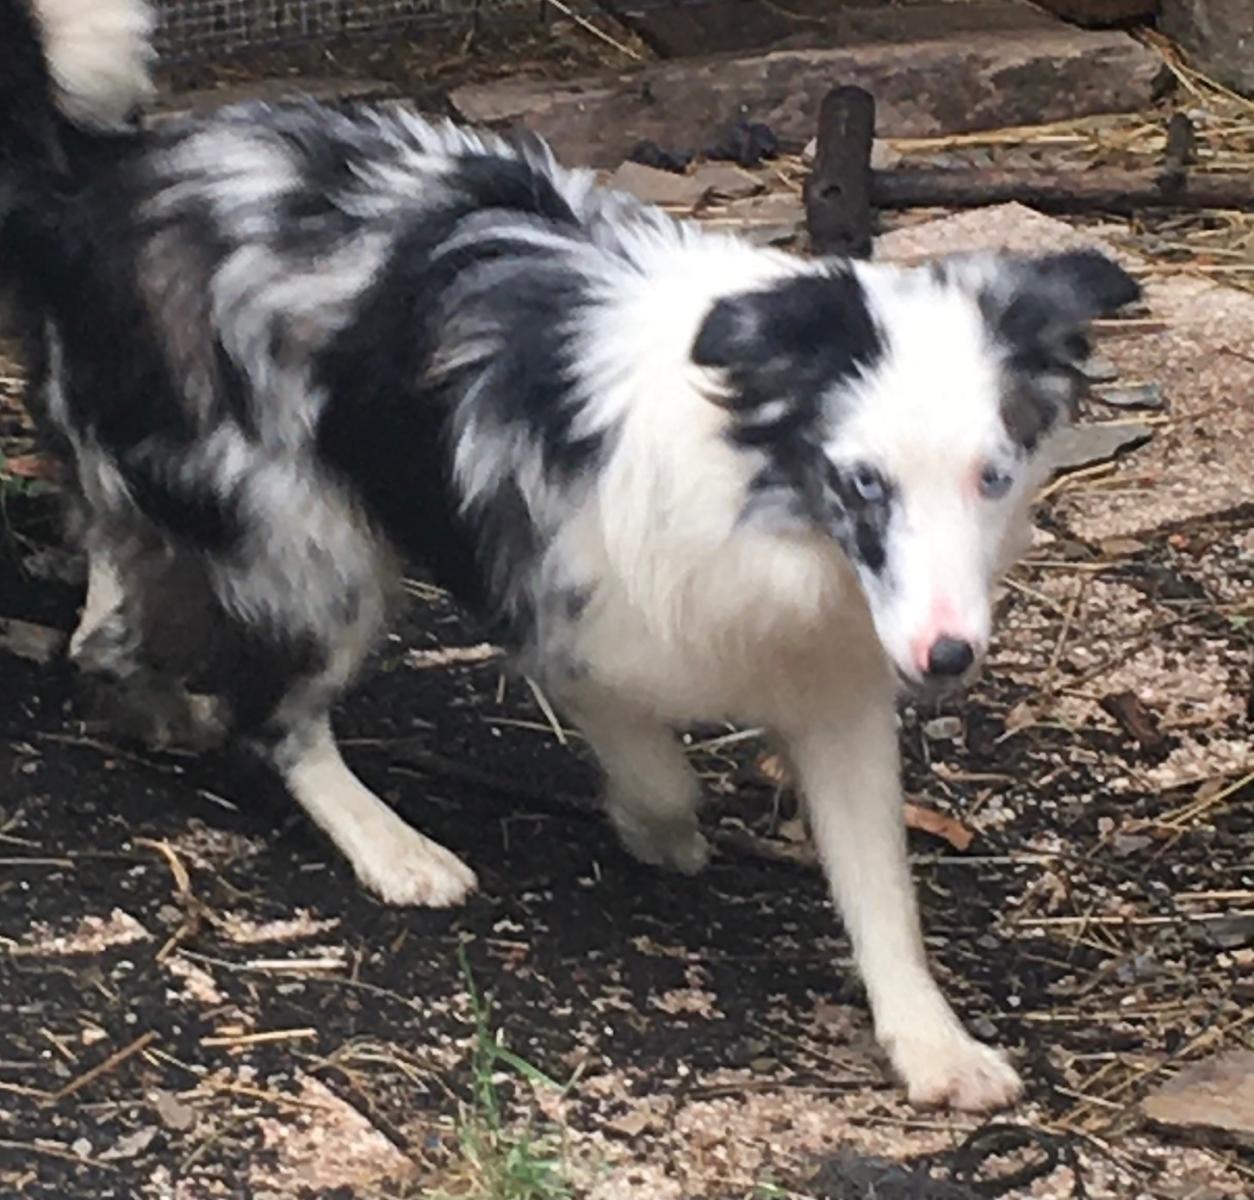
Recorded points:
(942, 622)
(944, 614)
(921, 652)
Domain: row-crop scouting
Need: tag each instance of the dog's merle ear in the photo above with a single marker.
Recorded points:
(1095, 285)
(802, 332)
(1060, 293)
(1039, 309)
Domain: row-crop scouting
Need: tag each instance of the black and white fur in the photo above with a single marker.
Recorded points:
(687, 478)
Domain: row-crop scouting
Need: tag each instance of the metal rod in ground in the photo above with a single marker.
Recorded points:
(838, 191)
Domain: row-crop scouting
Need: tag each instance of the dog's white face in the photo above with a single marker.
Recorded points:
(934, 484)
(904, 410)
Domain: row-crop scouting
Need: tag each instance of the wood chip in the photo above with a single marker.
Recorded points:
(658, 187)
(1022, 716)
(33, 466)
(928, 820)
(1134, 717)
(1213, 1098)
(173, 1113)
(130, 1146)
(35, 643)
(772, 768)
(451, 656)
(1083, 445)
(726, 180)
(1131, 395)
(942, 729)
(1099, 369)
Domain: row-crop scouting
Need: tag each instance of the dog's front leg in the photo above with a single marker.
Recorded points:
(651, 791)
(849, 771)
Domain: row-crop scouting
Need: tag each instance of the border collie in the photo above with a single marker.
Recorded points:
(287, 347)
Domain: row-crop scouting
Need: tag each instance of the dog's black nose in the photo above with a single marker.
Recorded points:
(949, 656)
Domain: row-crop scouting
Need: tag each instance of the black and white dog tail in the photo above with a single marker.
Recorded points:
(67, 65)
(73, 73)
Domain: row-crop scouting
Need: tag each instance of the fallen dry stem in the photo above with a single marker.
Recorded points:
(238, 1041)
(111, 1063)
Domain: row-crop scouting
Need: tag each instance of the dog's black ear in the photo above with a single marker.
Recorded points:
(796, 334)
(1055, 295)
(729, 335)
(1039, 309)
(1095, 285)
(796, 318)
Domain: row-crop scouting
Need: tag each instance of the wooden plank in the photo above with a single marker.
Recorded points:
(1102, 189)
(1099, 13)
(328, 90)
(946, 85)
(730, 26)
(739, 26)
(926, 22)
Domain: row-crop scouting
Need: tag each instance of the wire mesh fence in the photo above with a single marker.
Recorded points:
(192, 30)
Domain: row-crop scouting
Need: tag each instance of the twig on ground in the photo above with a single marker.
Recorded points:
(111, 1063)
(588, 27)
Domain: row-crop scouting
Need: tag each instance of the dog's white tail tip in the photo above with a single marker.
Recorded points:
(100, 55)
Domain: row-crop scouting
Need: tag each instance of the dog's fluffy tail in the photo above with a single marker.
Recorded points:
(99, 53)
(71, 73)
(85, 62)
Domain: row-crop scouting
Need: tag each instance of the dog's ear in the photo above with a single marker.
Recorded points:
(793, 336)
(795, 318)
(735, 327)
(1093, 285)
(1039, 310)
(1045, 301)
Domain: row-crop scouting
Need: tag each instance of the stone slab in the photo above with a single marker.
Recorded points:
(657, 187)
(953, 84)
(1218, 36)
(1213, 1098)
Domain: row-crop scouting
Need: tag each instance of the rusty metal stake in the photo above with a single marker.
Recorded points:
(838, 190)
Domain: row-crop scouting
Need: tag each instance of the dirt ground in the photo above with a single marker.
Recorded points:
(197, 1001)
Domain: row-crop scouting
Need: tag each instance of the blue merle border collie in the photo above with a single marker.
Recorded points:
(287, 348)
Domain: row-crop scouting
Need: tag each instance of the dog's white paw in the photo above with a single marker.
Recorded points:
(689, 855)
(405, 868)
(950, 1069)
(78, 639)
(675, 845)
(207, 724)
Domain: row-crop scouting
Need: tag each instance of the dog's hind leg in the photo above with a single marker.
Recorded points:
(132, 617)
(311, 599)
(104, 596)
(393, 860)
(652, 793)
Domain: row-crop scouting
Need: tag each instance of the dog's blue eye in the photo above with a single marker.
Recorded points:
(869, 485)
(995, 483)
